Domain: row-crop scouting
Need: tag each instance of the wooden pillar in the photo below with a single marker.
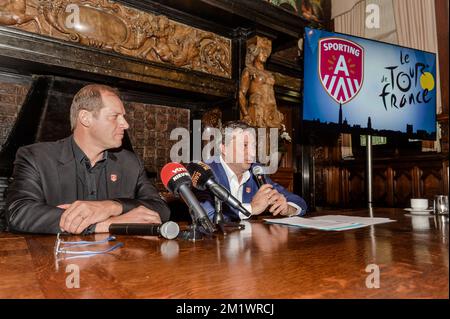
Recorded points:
(442, 25)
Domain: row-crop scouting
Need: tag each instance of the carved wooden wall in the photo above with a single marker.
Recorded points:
(395, 181)
(107, 25)
(284, 177)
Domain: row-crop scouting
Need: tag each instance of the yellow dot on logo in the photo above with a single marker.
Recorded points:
(427, 81)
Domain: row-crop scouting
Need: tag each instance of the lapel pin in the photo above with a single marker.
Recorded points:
(248, 190)
(113, 177)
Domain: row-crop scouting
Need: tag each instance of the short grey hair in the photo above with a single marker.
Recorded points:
(89, 98)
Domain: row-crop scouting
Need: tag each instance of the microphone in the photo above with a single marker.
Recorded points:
(177, 180)
(258, 172)
(167, 230)
(203, 177)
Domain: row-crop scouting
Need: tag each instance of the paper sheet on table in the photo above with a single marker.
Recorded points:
(330, 222)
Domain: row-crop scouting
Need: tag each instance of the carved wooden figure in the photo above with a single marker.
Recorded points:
(256, 94)
(13, 12)
(212, 118)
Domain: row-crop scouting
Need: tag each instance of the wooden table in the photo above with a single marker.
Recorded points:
(263, 261)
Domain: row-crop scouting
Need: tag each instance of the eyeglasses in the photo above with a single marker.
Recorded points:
(71, 244)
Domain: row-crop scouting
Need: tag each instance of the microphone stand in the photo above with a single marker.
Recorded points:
(218, 216)
(219, 220)
(194, 231)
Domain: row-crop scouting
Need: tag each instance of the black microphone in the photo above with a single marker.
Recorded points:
(177, 180)
(258, 172)
(167, 230)
(203, 177)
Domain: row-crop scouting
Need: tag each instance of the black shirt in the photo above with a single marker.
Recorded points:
(91, 181)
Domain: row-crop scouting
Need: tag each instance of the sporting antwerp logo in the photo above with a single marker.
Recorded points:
(341, 68)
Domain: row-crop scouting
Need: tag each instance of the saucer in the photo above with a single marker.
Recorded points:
(418, 211)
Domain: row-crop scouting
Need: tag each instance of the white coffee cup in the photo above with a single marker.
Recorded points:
(419, 203)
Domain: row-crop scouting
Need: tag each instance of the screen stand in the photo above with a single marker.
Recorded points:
(369, 170)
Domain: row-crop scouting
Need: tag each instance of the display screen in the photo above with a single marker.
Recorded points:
(351, 83)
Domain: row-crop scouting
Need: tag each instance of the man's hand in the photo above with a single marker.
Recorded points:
(291, 211)
(262, 199)
(279, 205)
(80, 214)
(139, 215)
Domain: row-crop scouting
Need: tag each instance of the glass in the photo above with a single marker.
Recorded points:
(440, 204)
(59, 249)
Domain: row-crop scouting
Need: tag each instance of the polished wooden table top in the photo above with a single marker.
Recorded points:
(262, 261)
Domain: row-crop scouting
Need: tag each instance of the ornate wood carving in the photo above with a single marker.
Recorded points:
(212, 118)
(288, 82)
(13, 12)
(107, 25)
(320, 153)
(256, 93)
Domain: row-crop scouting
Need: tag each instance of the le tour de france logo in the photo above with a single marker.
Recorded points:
(341, 68)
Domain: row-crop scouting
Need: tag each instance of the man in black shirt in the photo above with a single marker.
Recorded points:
(85, 182)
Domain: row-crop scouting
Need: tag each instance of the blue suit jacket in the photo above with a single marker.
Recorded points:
(250, 188)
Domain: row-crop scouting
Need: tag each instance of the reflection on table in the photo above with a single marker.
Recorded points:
(261, 261)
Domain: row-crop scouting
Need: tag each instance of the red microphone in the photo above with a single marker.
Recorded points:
(174, 175)
(177, 180)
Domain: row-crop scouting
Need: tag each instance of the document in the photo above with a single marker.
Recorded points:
(330, 222)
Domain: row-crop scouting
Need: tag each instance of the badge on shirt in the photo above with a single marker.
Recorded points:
(113, 177)
(248, 190)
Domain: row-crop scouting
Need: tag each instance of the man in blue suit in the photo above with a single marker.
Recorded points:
(234, 173)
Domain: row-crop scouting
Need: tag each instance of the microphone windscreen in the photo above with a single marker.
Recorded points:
(169, 230)
(257, 170)
(200, 174)
(173, 175)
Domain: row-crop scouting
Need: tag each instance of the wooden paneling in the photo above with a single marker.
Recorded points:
(320, 186)
(443, 38)
(286, 161)
(445, 174)
(332, 185)
(430, 182)
(390, 187)
(356, 188)
(285, 173)
(380, 187)
(403, 186)
(284, 177)
(395, 181)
